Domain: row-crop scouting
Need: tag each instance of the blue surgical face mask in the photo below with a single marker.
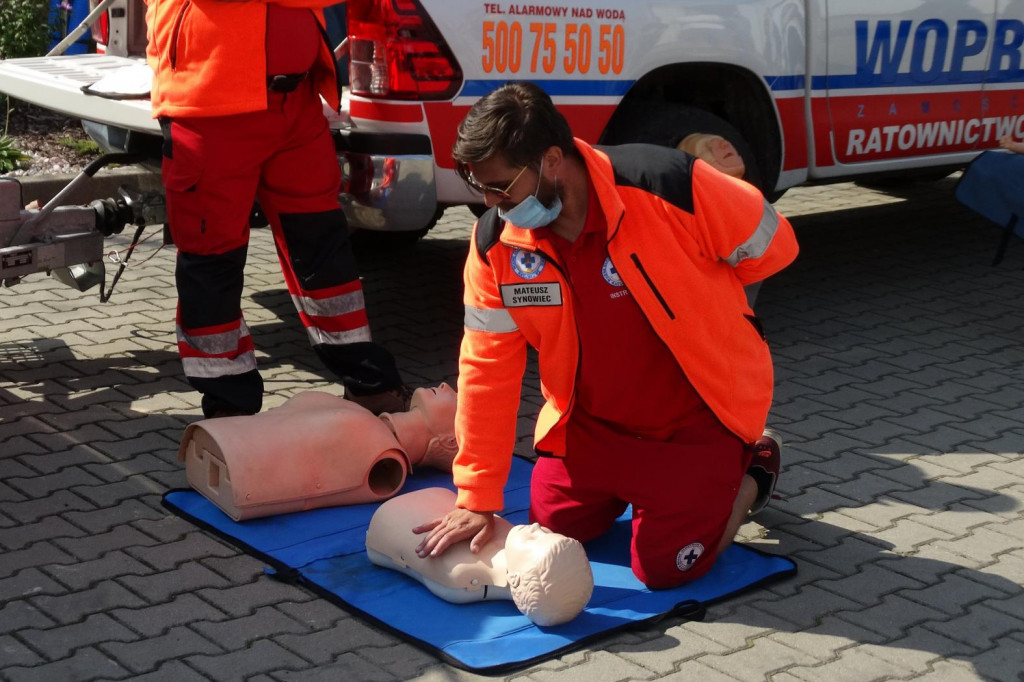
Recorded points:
(529, 214)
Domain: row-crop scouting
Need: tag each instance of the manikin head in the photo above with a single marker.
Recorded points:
(427, 430)
(716, 151)
(548, 574)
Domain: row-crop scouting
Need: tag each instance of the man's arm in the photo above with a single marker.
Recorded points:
(740, 227)
(492, 361)
(1007, 142)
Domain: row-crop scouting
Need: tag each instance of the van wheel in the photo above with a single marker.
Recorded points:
(668, 124)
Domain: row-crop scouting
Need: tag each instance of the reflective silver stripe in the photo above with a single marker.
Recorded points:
(211, 368)
(319, 336)
(214, 344)
(497, 320)
(758, 242)
(331, 307)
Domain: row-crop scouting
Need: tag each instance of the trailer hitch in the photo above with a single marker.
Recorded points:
(67, 241)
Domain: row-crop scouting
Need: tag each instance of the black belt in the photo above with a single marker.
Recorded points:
(285, 82)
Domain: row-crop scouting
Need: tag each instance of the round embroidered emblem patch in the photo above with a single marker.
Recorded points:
(610, 274)
(527, 264)
(688, 556)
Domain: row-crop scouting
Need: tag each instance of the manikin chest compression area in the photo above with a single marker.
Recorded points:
(545, 574)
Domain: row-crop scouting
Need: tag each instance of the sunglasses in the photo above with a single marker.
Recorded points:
(502, 194)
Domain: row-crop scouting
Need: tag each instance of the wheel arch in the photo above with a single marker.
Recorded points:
(730, 92)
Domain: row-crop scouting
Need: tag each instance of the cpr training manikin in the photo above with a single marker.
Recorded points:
(715, 150)
(319, 450)
(316, 450)
(545, 574)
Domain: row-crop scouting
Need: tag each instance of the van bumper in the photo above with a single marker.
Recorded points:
(387, 180)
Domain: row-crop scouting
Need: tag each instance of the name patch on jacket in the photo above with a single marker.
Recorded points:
(542, 293)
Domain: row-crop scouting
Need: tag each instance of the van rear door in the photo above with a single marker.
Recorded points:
(56, 83)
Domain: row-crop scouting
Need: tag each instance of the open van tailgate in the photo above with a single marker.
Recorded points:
(56, 83)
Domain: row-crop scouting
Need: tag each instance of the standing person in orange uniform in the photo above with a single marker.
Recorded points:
(237, 87)
(624, 267)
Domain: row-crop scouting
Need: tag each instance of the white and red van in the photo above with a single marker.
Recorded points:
(806, 90)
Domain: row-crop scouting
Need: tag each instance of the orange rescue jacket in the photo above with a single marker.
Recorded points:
(209, 57)
(684, 238)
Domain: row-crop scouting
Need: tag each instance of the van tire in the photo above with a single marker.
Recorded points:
(666, 124)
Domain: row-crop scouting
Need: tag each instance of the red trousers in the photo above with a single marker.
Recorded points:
(213, 170)
(682, 491)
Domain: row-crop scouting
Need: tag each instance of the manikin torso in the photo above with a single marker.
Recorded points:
(458, 575)
(315, 450)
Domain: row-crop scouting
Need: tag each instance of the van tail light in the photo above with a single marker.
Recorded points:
(396, 52)
(101, 29)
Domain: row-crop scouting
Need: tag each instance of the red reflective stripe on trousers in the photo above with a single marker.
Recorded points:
(328, 292)
(336, 323)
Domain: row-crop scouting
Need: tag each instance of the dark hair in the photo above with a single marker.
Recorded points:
(517, 121)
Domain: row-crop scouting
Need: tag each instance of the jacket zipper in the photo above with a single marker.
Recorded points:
(661, 299)
(754, 321)
(177, 32)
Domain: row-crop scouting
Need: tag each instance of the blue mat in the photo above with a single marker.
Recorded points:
(993, 187)
(324, 550)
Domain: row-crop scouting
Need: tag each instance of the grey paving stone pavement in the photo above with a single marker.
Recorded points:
(899, 350)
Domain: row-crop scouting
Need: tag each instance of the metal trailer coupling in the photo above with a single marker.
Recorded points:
(67, 241)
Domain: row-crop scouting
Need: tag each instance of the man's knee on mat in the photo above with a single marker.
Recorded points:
(663, 563)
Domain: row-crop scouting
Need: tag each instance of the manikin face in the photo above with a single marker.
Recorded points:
(437, 406)
(716, 151)
(528, 543)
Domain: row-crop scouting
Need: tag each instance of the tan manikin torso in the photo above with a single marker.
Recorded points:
(315, 450)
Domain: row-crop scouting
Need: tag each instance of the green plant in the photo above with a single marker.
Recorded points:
(80, 146)
(25, 29)
(10, 155)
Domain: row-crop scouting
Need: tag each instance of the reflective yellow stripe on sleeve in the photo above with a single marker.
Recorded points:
(758, 242)
(496, 320)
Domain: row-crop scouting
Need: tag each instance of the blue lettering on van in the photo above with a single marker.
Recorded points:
(879, 53)
(882, 52)
(1006, 44)
(971, 36)
(930, 28)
